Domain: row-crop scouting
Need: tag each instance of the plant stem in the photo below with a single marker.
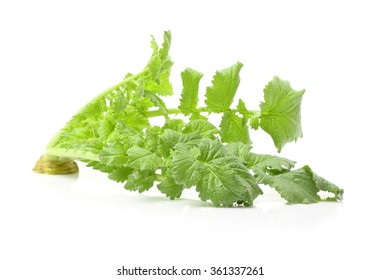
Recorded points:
(174, 111)
(70, 153)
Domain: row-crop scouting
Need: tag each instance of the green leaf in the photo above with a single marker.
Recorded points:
(167, 141)
(164, 51)
(142, 104)
(203, 127)
(326, 186)
(174, 124)
(118, 102)
(242, 151)
(170, 138)
(157, 101)
(124, 135)
(186, 167)
(299, 186)
(162, 86)
(241, 108)
(140, 180)
(136, 120)
(218, 174)
(296, 186)
(170, 188)
(189, 97)
(254, 116)
(93, 109)
(160, 61)
(143, 159)
(106, 127)
(281, 112)
(232, 129)
(255, 120)
(259, 163)
(120, 174)
(269, 164)
(151, 138)
(114, 155)
(197, 116)
(220, 95)
(96, 165)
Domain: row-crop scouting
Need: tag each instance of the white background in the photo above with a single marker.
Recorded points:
(55, 56)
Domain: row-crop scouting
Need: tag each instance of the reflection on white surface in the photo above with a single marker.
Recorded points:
(269, 213)
(87, 222)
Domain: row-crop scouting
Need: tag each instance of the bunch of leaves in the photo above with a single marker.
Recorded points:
(113, 134)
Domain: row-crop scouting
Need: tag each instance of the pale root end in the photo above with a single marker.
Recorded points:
(55, 166)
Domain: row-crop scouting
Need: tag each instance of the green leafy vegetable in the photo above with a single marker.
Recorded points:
(233, 129)
(189, 100)
(113, 133)
(143, 159)
(203, 127)
(170, 187)
(140, 180)
(220, 95)
(281, 112)
(218, 174)
(301, 186)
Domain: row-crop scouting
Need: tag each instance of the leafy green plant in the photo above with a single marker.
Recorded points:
(113, 134)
